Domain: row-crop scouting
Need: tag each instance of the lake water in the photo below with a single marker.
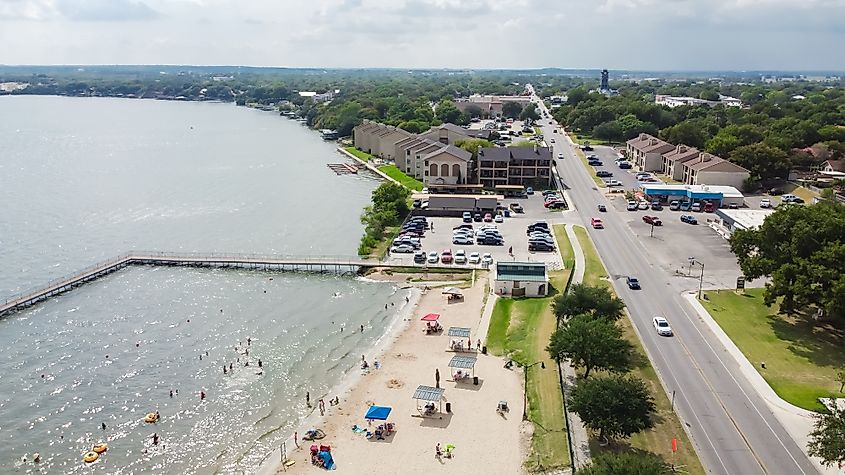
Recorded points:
(85, 179)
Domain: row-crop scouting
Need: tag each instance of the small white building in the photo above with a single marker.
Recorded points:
(521, 279)
(734, 219)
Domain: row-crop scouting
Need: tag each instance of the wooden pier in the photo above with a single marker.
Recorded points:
(343, 168)
(336, 265)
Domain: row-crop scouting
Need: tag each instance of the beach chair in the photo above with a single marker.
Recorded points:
(502, 407)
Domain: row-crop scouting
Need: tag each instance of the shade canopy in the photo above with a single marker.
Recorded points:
(431, 317)
(428, 393)
(462, 362)
(452, 291)
(378, 413)
(461, 332)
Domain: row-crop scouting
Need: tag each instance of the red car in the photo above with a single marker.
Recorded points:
(597, 224)
(653, 220)
(488, 218)
(446, 256)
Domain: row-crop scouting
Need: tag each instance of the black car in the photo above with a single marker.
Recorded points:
(490, 241)
(602, 208)
(476, 217)
(419, 257)
(632, 282)
(557, 205)
(656, 206)
(604, 174)
(595, 163)
(540, 246)
(625, 165)
(538, 226)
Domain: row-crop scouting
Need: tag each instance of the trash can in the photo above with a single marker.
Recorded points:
(475, 380)
(484, 350)
(448, 407)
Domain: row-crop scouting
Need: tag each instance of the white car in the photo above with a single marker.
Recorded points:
(643, 205)
(464, 240)
(560, 156)
(499, 219)
(662, 326)
(632, 205)
(613, 183)
(424, 190)
(487, 258)
(474, 258)
(433, 257)
(765, 203)
(402, 249)
(460, 257)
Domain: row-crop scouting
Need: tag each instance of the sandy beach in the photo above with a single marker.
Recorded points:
(484, 439)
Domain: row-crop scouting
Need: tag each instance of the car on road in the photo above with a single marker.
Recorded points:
(689, 219)
(632, 282)
(446, 256)
(529, 190)
(656, 206)
(596, 223)
(643, 205)
(594, 162)
(487, 258)
(765, 203)
(460, 257)
(402, 249)
(516, 208)
(632, 205)
(602, 208)
(419, 257)
(604, 174)
(652, 220)
(624, 165)
(474, 258)
(499, 218)
(613, 183)
(560, 156)
(675, 205)
(552, 140)
(661, 326)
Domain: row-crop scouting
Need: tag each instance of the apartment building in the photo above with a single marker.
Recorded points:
(524, 166)
(378, 139)
(708, 169)
(647, 151)
(673, 160)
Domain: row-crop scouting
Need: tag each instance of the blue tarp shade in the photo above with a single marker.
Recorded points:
(378, 413)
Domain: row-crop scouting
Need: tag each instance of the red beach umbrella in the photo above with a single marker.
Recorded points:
(431, 317)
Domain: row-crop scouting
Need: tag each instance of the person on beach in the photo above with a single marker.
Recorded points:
(437, 382)
(478, 347)
(200, 357)
(296, 439)
(437, 451)
(206, 353)
(336, 401)
(407, 299)
(322, 407)
(230, 366)
(155, 438)
(362, 327)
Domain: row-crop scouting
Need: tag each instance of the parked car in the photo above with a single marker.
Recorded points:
(602, 208)
(487, 258)
(477, 217)
(708, 207)
(689, 219)
(474, 258)
(460, 257)
(446, 256)
(499, 218)
(675, 205)
(632, 205)
(765, 203)
(433, 257)
(463, 226)
(556, 205)
(539, 224)
(632, 282)
(791, 199)
(529, 190)
(560, 156)
(419, 257)
(488, 218)
(596, 223)
(656, 206)
(733, 206)
(417, 203)
(604, 174)
(652, 220)
(462, 240)
(661, 326)
(402, 249)
(685, 206)
(613, 183)
(540, 246)
(643, 205)
(696, 207)
(516, 208)
(467, 217)
(625, 165)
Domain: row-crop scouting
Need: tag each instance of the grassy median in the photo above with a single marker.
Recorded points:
(657, 440)
(521, 328)
(403, 179)
(802, 356)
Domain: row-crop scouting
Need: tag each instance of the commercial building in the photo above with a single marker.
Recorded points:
(734, 219)
(647, 151)
(677, 101)
(521, 279)
(491, 106)
(457, 204)
(720, 195)
(527, 166)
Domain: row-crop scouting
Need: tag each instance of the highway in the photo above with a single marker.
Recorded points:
(731, 425)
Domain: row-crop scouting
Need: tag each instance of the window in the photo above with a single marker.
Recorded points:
(433, 169)
(444, 170)
(456, 170)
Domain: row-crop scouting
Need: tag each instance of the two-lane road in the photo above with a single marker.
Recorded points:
(732, 427)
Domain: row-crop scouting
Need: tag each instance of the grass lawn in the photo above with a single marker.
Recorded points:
(599, 182)
(521, 328)
(657, 440)
(801, 356)
(359, 153)
(567, 255)
(579, 139)
(405, 180)
(804, 193)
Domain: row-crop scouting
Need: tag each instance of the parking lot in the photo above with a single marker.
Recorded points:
(513, 230)
(675, 242)
(608, 157)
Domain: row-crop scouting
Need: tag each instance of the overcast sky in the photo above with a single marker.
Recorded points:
(614, 34)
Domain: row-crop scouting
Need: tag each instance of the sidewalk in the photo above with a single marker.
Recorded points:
(797, 421)
(578, 437)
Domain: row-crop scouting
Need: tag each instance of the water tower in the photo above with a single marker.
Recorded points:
(604, 79)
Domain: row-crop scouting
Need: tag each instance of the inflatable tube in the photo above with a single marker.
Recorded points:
(100, 448)
(151, 418)
(91, 457)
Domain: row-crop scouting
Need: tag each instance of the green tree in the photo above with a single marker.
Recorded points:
(447, 112)
(840, 378)
(625, 463)
(473, 145)
(827, 441)
(511, 110)
(610, 131)
(684, 133)
(709, 95)
(529, 112)
(764, 162)
(616, 406)
(800, 248)
(576, 95)
(582, 299)
(591, 344)
(473, 111)
(391, 196)
(415, 126)
(723, 143)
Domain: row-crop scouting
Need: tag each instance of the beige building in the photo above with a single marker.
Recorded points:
(524, 166)
(647, 151)
(709, 169)
(378, 139)
(447, 165)
(521, 279)
(672, 161)
(491, 106)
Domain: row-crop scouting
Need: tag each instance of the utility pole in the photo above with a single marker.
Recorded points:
(693, 261)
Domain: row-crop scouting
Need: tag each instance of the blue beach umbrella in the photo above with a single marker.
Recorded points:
(378, 413)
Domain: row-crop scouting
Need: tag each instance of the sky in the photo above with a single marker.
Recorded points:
(614, 34)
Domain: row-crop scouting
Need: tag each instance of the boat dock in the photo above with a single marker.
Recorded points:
(344, 168)
(337, 265)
